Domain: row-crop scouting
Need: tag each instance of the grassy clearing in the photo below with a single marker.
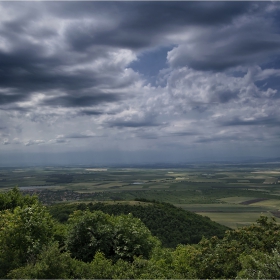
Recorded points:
(236, 199)
(222, 208)
(274, 172)
(234, 220)
(274, 204)
(127, 202)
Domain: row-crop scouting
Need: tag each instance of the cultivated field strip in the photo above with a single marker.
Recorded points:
(230, 194)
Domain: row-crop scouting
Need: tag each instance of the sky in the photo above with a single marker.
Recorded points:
(139, 82)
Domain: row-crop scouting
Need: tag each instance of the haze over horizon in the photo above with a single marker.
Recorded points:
(132, 82)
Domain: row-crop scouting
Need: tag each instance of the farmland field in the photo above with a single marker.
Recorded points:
(233, 195)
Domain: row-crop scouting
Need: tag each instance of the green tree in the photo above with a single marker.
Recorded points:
(132, 238)
(139, 269)
(14, 198)
(88, 233)
(117, 237)
(23, 233)
(50, 264)
(100, 267)
(259, 265)
(184, 261)
(221, 258)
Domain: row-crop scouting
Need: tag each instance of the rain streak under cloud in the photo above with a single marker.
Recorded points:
(135, 82)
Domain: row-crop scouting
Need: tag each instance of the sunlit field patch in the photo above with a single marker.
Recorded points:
(235, 220)
(236, 199)
(273, 203)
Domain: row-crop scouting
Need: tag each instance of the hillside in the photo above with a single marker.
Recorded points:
(172, 225)
(92, 244)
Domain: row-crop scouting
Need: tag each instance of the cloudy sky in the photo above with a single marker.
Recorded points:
(134, 82)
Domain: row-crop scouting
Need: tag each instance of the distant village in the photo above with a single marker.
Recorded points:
(51, 196)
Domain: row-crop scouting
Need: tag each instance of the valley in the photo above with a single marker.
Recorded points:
(231, 194)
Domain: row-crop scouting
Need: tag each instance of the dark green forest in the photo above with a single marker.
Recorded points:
(170, 224)
(149, 240)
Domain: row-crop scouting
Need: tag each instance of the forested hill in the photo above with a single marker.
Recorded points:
(96, 245)
(172, 225)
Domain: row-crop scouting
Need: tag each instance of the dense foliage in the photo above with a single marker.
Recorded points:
(118, 237)
(24, 230)
(170, 224)
(97, 245)
(14, 198)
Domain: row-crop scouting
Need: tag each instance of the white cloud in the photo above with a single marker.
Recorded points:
(69, 85)
(34, 142)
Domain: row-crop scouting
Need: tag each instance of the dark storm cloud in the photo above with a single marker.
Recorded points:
(29, 62)
(28, 70)
(155, 12)
(39, 57)
(89, 112)
(14, 107)
(182, 133)
(141, 24)
(81, 101)
(241, 49)
(18, 26)
(217, 95)
(10, 98)
(252, 37)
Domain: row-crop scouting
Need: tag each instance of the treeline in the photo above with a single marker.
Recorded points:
(92, 244)
(170, 224)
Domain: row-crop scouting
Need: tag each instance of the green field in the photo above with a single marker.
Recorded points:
(233, 195)
(235, 220)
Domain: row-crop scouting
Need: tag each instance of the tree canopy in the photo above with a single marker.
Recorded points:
(117, 237)
(97, 245)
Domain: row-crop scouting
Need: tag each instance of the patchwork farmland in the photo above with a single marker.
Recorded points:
(232, 195)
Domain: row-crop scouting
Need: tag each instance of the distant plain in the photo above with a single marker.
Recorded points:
(231, 194)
